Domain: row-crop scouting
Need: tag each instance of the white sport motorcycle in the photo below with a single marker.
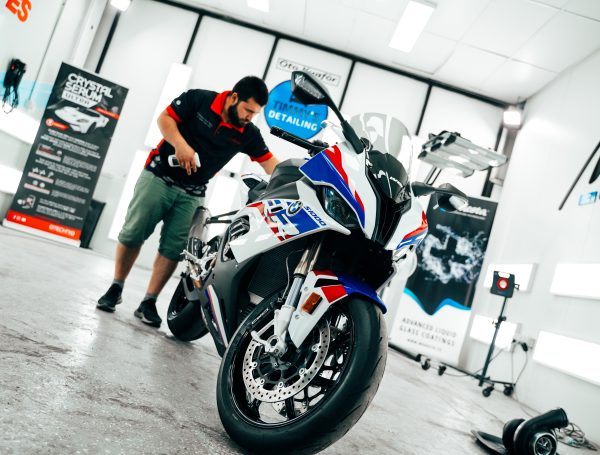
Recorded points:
(289, 293)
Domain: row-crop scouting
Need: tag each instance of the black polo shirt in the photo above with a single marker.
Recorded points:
(198, 115)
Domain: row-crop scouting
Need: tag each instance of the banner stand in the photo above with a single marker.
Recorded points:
(63, 167)
(434, 309)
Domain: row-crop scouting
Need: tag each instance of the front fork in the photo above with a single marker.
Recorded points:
(276, 345)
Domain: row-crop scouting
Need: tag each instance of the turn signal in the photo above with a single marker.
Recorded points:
(311, 303)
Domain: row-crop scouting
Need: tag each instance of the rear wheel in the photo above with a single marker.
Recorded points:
(184, 317)
(314, 394)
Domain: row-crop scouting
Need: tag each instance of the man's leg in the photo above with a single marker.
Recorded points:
(173, 239)
(149, 203)
(124, 259)
(162, 270)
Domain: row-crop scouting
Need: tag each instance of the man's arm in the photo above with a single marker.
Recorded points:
(269, 165)
(183, 151)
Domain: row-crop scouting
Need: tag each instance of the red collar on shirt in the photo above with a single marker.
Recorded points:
(217, 108)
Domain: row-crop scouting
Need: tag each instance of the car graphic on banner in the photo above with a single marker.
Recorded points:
(81, 119)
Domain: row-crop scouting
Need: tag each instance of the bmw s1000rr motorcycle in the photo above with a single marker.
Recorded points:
(290, 291)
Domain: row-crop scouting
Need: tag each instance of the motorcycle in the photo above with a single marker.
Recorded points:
(290, 292)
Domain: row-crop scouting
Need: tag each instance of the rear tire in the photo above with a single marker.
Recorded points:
(184, 317)
(344, 399)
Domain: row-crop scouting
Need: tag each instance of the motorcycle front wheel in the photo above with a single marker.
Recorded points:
(314, 394)
(184, 317)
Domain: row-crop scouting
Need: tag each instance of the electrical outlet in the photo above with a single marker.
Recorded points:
(528, 340)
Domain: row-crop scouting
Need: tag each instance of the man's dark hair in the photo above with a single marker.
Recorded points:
(252, 87)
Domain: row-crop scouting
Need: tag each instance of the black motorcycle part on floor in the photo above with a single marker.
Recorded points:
(344, 399)
(183, 316)
(508, 434)
(490, 442)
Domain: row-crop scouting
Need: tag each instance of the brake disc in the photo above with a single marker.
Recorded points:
(260, 369)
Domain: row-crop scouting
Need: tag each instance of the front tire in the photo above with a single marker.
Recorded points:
(184, 317)
(328, 406)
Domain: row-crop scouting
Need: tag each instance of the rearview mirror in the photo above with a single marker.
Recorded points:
(451, 203)
(450, 198)
(308, 90)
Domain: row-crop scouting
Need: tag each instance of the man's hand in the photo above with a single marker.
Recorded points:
(183, 152)
(185, 155)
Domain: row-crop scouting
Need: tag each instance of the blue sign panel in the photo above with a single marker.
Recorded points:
(299, 119)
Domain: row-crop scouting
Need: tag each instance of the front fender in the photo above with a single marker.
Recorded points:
(325, 288)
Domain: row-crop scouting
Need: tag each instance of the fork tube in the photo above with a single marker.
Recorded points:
(307, 262)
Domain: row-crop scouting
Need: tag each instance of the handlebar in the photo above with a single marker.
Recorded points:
(312, 147)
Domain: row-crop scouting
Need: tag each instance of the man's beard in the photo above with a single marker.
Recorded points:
(234, 118)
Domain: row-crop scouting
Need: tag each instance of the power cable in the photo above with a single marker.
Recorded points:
(573, 436)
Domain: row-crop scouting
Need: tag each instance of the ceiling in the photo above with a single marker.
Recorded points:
(504, 49)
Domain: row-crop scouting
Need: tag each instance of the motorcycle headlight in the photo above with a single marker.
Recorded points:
(338, 209)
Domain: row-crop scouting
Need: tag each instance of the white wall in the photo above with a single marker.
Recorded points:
(223, 53)
(559, 133)
(375, 90)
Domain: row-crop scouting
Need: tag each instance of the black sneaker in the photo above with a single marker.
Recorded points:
(111, 298)
(147, 313)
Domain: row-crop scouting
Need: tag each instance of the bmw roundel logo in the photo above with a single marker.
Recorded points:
(294, 207)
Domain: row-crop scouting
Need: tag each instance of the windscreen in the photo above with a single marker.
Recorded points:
(387, 134)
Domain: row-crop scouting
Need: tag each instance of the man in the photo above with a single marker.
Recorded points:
(215, 126)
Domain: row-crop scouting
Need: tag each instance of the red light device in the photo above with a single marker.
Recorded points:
(503, 284)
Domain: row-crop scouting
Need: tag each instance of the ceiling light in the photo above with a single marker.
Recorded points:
(411, 25)
(513, 117)
(121, 5)
(261, 5)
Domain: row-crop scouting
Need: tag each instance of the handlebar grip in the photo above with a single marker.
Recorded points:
(276, 131)
(283, 134)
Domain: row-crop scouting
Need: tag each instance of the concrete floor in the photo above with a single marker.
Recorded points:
(77, 380)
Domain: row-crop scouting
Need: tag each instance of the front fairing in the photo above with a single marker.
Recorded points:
(376, 187)
(273, 222)
(340, 168)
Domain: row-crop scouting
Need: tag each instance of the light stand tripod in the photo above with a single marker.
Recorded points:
(504, 287)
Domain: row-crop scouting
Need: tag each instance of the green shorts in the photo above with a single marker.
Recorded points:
(154, 201)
